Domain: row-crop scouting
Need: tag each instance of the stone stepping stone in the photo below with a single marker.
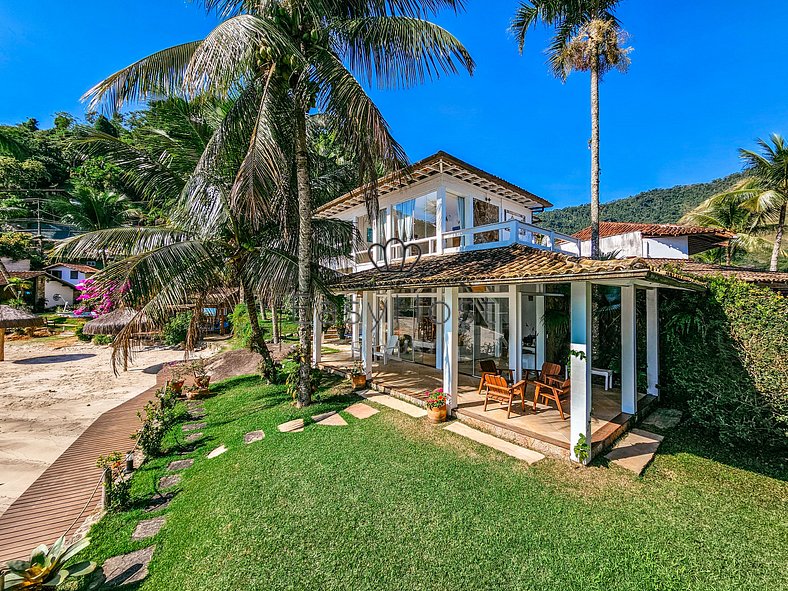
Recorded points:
(193, 437)
(390, 401)
(663, 419)
(196, 414)
(516, 451)
(194, 426)
(217, 452)
(180, 465)
(330, 419)
(253, 436)
(294, 426)
(635, 450)
(361, 410)
(169, 481)
(128, 568)
(148, 528)
(159, 503)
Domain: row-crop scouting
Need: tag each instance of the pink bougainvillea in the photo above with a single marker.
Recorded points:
(97, 300)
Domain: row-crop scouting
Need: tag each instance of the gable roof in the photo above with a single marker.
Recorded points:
(607, 229)
(773, 279)
(73, 267)
(512, 264)
(439, 163)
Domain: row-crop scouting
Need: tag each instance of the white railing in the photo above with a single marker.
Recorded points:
(506, 234)
(394, 252)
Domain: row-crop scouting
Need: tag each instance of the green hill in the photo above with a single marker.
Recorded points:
(657, 206)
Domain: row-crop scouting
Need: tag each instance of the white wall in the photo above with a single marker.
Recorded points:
(666, 247)
(55, 288)
(66, 274)
(633, 244)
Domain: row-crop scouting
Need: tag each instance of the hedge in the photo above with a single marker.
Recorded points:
(725, 359)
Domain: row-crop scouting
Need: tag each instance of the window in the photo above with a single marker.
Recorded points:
(56, 273)
(74, 275)
(454, 210)
(485, 213)
(416, 219)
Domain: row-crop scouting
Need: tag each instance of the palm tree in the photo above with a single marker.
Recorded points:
(289, 57)
(588, 38)
(89, 210)
(770, 198)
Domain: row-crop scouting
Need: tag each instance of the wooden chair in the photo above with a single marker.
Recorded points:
(498, 389)
(552, 388)
(548, 369)
(488, 368)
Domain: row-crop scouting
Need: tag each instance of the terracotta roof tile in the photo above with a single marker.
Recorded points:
(73, 267)
(705, 269)
(607, 229)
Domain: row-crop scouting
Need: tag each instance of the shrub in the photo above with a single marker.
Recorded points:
(725, 358)
(102, 339)
(177, 329)
(154, 427)
(242, 329)
(118, 487)
(81, 335)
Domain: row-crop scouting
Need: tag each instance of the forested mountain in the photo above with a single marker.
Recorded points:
(657, 206)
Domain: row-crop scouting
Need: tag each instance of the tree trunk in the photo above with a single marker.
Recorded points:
(729, 255)
(257, 343)
(595, 157)
(778, 239)
(274, 322)
(304, 264)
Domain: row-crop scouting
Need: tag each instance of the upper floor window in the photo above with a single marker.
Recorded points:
(454, 212)
(485, 213)
(57, 273)
(416, 219)
(74, 274)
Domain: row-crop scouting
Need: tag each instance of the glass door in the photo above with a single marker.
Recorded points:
(415, 327)
(483, 332)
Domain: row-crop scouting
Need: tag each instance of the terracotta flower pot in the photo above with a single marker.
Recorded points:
(177, 386)
(359, 381)
(437, 415)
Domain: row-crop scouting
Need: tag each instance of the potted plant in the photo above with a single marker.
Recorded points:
(358, 376)
(436, 405)
(177, 378)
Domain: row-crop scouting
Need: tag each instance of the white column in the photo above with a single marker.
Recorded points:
(652, 341)
(515, 332)
(629, 366)
(439, 311)
(580, 406)
(366, 332)
(389, 315)
(355, 324)
(451, 345)
(317, 332)
(541, 338)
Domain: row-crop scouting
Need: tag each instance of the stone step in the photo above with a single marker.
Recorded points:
(635, 450)
(391, 402)
(521, 453)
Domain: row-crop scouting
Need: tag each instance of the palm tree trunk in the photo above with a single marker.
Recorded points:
(304, 264)
(257, 343)
(595, 156)
(274, 321)
(778, 239)
(729, 254)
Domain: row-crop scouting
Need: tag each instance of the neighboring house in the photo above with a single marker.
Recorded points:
(46, 290)
(477, 294)
(71, 273)
(652, 241)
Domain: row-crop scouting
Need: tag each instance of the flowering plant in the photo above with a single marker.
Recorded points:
(436, 398)
(357, 369)
(98, 300)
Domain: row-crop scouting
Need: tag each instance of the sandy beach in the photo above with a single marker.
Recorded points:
(50, 393)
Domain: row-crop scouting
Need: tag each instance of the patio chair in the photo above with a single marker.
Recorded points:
(497, 388)
(390, 351)
(548, 369)
(552, 388)
(488, 368)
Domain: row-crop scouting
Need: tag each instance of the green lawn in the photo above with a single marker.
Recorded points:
(395, 503)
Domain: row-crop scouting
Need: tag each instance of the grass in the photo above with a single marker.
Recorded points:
(395, 503)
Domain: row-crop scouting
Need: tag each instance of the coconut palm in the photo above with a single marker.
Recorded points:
(769, 200)
(88, 209)
(311, 52)
(587, 38)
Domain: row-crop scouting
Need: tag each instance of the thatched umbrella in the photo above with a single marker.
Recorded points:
(112, 322)
(15, 318)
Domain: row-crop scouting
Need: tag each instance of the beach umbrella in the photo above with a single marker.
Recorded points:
(15, 318)
(112, 322)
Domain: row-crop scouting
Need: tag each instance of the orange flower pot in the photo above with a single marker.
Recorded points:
(437, 415)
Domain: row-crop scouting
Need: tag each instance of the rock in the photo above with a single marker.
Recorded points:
(253, 436)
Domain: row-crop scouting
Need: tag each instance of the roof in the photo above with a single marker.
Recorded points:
(73, 267)
(774, 279)
(512, 264)
(22, 275)
(15, 318)
(607, 229)
(440, 163)
(112, 322)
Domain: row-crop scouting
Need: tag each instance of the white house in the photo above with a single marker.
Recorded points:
(453, 274)
(71, 273)
(651, 241)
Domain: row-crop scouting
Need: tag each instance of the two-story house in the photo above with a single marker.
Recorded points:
(71, 273)
(452, 275)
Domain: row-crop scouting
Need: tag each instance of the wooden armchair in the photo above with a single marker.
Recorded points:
(548, 369)
(552, 388)
(497, 388)
(488, 368)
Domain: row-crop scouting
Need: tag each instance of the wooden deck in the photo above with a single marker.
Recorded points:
(60, 500)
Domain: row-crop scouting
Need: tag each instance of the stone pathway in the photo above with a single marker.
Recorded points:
(169, 481)
(294, 426)
(148, 528)
(663, 419)
(253, 436)
(521, 453)
(180, 465)
(128, 568)
(635, 450)
(217, 452)
(191, 438)
(361, 410)
(194, 426)
(390, 401)
(330, 419)
(160, 503)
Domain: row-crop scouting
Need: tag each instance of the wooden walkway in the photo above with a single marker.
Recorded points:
(51, 506)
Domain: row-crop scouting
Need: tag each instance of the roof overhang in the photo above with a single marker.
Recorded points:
(437, 164)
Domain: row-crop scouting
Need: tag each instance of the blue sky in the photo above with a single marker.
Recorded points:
(707, 77)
